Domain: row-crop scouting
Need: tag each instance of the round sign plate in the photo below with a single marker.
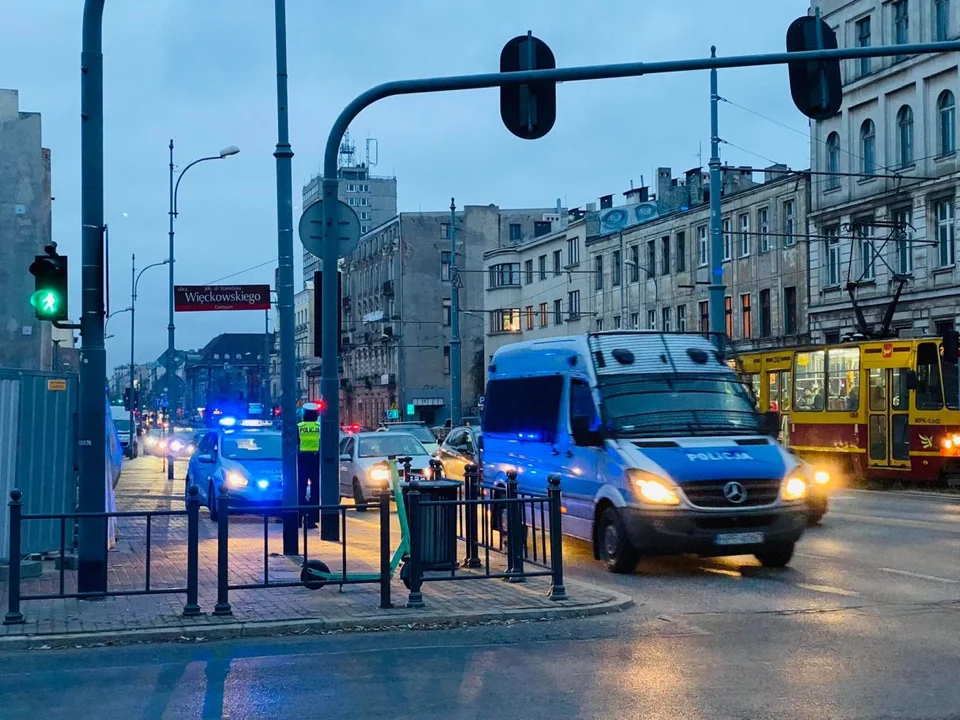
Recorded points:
(311, 229)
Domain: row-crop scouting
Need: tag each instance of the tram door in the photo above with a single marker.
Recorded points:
(888, 427)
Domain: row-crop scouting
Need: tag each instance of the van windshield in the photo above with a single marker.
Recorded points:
(675, 405)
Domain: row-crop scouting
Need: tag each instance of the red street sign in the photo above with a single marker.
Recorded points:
(197, 298)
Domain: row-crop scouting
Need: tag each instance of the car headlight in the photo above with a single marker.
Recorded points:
(821, 477)
(652, 489)
(190, 449)
(793, 488)
(176, 446)
(379, 473)
(236, 480)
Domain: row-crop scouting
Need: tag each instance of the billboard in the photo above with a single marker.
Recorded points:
(198, 298)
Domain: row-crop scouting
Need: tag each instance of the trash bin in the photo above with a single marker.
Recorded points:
(438, 524)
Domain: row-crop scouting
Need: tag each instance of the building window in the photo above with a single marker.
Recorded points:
(446, 312)
(529, 313)
(651, 267)
(704, 308)
(544, 316)
(945, 233)
(941, 20)
(506, 320)
(599, 324)
(790, 311)
(868, 254)
(947, 114)
(542, 266)
(444, 264)
(446, 359)
(617, 268)
(901, 24)
(744, 234)
(542, 227)
(665, 255)
(727, 240)
(665, 318)
(516, 232)
(682, 318)
(763, 229)
(557, 263)
(833, 161)
(528, 271)
(444, 231)
(868, 146)
(616, 322)
(634, 263)
(789, 222)
(765, 316)
(863, 40)
(903, 240)
(681, 261)
(504, 275)
(635, 321)
(651, 319)
(905, 136)
(746, 316)
(598, 270)
(573, 303)
(728, 315)
(832, 243)
(573, 251)
(702, 246)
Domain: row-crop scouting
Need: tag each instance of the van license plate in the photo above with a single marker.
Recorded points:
(751, 538)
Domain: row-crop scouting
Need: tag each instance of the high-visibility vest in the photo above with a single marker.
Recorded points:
(309, 436)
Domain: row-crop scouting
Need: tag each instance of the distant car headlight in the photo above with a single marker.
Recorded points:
(161, 444)
(821, 477)
(148, 441)
(236, 480)
(793, 488)
(176, 445)
(653, 490)
(190, 449)
(379, 473)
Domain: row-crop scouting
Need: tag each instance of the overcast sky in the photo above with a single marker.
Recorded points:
(203, 72)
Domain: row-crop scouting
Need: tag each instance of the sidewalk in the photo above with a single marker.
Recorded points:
(143, 486)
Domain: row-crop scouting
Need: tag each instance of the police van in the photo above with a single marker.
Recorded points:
(659, 447)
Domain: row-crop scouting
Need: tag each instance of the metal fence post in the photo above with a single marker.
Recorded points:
(14, 616)
(415, 598)
(192, 608)
(435, 469)
(471, 480)
(223, 566)
(385, 550)
(557, 589)
(515, 539)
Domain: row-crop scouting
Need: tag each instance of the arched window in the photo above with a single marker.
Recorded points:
(833, 160)
(868, 146)
(905, 136)
(947, 115)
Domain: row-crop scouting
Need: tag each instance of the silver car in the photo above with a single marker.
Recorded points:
(363, 474)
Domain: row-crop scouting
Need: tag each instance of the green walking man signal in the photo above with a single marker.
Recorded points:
(49, 298)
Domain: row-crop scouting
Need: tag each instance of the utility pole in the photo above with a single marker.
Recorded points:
(455, 389)
(288, 378)
(133, 312)
(265, 379)
(716, 289)
(170, 366)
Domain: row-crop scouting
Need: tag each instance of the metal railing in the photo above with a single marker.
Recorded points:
(15, 595)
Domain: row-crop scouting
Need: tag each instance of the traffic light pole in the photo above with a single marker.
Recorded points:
(716, 291)
(455, 389)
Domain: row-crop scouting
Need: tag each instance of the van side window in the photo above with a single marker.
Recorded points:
(581, 403)
(528, 408)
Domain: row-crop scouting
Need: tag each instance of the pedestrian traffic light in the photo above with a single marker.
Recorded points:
(49, 299)
(814, 84)
(528, 111)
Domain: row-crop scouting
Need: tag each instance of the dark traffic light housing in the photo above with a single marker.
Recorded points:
(528, 111)
(814, 85)
(49, 298)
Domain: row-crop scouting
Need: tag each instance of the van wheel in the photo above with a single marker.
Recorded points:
(775, 556)
(358, 495)
(613, 543)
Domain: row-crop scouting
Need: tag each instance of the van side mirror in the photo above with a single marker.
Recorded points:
(479, 443)
(583, 436)
(205, 458)
(911, 380)
(771, 423)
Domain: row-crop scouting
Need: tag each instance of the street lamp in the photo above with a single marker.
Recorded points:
(134, 282)
(174, 189)
(117, 312)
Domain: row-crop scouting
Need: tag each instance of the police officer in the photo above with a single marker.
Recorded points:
(308, 463)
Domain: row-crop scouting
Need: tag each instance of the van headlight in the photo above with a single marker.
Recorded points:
(236, 480)
(793, 488)
(653, 490)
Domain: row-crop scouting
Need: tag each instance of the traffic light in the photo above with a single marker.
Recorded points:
(126, 399)
(815, 85)
(49, 299)
(528, 111)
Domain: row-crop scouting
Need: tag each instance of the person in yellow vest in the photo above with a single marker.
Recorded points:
(308, 464)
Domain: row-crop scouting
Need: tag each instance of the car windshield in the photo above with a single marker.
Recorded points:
(418, 431)
(251, 447)
(648, 405)
(392, 443)
(122, 425)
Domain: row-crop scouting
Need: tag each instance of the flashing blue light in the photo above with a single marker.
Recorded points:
(262, 484)
(529, 436)
(228, 421)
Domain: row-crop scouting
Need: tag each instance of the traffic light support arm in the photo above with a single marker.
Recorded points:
(65, 325)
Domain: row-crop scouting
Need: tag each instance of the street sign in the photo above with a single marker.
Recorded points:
(198, 298)
(411, 410)
(177, 386)
(179, 359)
(814, 85)
(311, 229)
(393, 414)
(528, 111)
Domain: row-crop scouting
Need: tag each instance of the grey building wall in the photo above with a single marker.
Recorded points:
(25, 227)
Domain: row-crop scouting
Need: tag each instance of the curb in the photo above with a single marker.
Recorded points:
(371, 623)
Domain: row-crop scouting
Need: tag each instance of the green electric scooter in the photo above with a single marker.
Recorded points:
(314, 574)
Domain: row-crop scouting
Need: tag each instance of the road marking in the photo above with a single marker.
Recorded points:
(828, 589)
(941, 526)
(818, 557)
(921, 576)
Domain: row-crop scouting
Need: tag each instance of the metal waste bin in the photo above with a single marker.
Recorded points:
(438, 524)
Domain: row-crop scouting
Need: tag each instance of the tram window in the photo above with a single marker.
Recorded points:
(844, 379)
(808, 381)
(900, 394)
(785, 391)
(951, 385)
(773, 385)
(929, 388)
(878, 390)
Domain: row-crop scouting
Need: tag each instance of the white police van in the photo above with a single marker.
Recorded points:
(659, 447)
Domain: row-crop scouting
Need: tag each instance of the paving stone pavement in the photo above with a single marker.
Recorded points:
(143, 487)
